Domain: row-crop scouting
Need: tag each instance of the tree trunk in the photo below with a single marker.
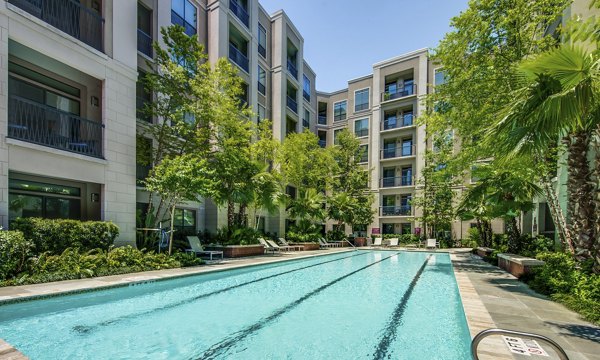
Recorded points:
(487, 230)
(581, 204)
(230, 214)
(172, 226)
(514, 235)
(242, 214)
(557, 215)
(596, 148)
(481, 234)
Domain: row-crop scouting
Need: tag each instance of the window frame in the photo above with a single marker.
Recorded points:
(362, 128)
(368, 104)
(338, 117)
(264, 84)
(260, 27)
(184, 17)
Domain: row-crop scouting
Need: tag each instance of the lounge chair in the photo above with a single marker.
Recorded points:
(431, 244)
(394, 242)
(197, 248)
(325, 244)
(333, 244)
(267, 246)
(274, 245)
(377, 241)
(296, 247)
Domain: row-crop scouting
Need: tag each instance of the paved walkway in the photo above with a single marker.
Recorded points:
(507, 303)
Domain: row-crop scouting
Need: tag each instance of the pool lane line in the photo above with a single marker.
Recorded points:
(228, 342)
(391, 329)
(88, 328)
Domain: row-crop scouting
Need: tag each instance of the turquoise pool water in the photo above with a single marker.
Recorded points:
(356, 305)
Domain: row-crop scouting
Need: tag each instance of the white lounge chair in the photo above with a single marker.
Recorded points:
(431, 244)
(394, 242)
(267, 246)
(296, 247)
(377, 241)
(279, 248)
(197, 248)
(325, 244)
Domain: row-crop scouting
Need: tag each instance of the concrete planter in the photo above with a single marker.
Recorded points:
(517, 265)
(308, 245)
(236, 251)
(484, 251)
(360, 241)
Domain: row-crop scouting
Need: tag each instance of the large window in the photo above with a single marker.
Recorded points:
(361, 127)
(262, 41)
(339, 110)
(261, 114)
(440, 77)
(36, 199)
(361, 100)
(262, 80)
(306, 119)
(183, 13)
(336, 135)
(185, 220)
(364, 154)
(306, 88)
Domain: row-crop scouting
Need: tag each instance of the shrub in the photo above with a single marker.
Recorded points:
(335, 235)
(409, 239)
(532, 246)
(473, 237)
(14, 253)
(558, 275)
(57, 235)
(239, 235)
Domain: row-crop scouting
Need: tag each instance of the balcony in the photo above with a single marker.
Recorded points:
(68, 16)
(239, 11)
(400, 93)
(292, 69)
(398, 151)
(262, 51)
(237, 57)
(402, 210)
(144, 43)
(322, 143)
(322, 119)
(44, 125)
(292, 104)
(394, 122)
(306, 95)
(388, 182)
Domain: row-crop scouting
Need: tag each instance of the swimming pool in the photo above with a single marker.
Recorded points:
(354, 305)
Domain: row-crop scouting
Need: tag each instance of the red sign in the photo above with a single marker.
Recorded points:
(376, 231)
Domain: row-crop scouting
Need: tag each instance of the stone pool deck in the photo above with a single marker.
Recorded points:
(491, 298)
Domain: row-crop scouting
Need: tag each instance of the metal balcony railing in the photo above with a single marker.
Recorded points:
(144, 43)
(394, 122)
(262, 51)
(361, 132)
(68, 16)
(306, 95)
(240, 12)
(322, 120)
(404, 150)
(292, 69)
(400, 93)
(237, 57)
(398, 181)
(292, 104)
(44, 125)
(402, 210)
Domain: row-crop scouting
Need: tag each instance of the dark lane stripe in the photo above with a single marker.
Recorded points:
(88, 328)
(226, 344)
(389, 334)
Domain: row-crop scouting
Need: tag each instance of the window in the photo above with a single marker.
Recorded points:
(262, 41)
(306, 119)
(336, 134)
(142, 170)
(143, 98)
(260, 224)
(262, 80)
(361, 127)
(339, 110)
(306, 88)
(261, 114)
(406, 228)
(439, 78)
(364, 153)
(36, 199)
(387, 228)
(185, 220)
(183, 13)
(361, 100)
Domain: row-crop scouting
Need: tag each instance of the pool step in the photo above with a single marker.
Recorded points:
(7, 352)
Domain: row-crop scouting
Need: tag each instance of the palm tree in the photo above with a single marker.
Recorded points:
(558, 101)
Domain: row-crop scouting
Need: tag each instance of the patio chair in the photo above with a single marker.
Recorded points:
(377, 241)
(333, 243)
(274, 245)
(296, 247)
(268, 248)
(394, 242)
(324, 244)
(197, 248)
(432, 244)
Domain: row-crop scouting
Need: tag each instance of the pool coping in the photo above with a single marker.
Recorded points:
(100, 283)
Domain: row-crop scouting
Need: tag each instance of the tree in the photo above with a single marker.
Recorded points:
(179, 178)
(350, 202)
(436, 186)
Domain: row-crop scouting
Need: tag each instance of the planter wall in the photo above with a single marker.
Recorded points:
(517, 265)
(484, 251)
(236, 251)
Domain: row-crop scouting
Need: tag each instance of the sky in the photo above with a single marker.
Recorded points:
(344, 38)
